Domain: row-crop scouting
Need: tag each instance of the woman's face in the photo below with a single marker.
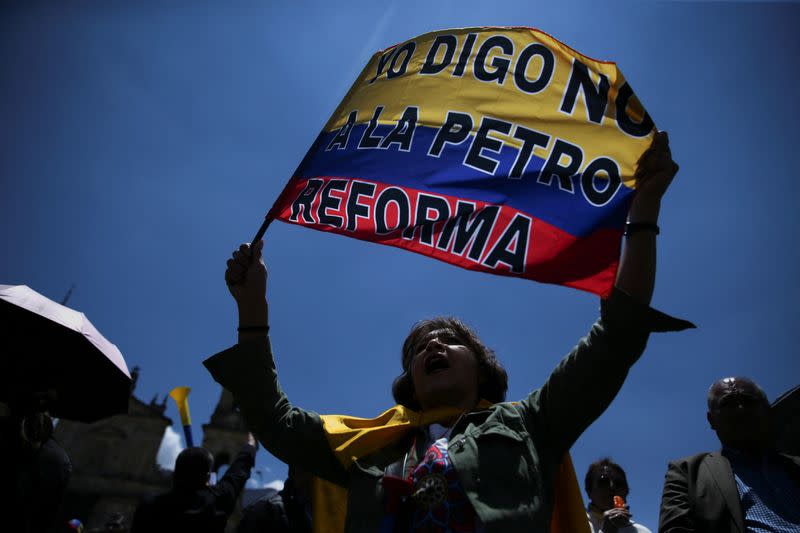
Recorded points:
(444, 371)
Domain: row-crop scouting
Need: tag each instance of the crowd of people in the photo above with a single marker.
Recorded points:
(453, 455)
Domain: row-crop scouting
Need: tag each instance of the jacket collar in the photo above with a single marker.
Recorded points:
(721, 472)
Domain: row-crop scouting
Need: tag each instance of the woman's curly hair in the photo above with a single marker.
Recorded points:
(492, 377)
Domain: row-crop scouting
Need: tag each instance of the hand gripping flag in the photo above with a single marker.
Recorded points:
(500, 150)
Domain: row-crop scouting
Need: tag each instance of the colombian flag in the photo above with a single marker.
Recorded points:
(500, 150)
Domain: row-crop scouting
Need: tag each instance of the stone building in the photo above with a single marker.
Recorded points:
(225, 434)
(114, 460)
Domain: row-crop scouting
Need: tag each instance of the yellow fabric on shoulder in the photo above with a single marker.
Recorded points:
(351, 438)
(328, 506)
(569, 514)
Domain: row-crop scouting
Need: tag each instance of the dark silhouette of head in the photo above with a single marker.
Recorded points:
(738, 411)
(28, 413)
(35, 429)
(464, 366)
(604, 480)
(192, 469)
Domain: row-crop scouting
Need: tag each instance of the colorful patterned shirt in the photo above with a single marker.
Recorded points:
(440, 503)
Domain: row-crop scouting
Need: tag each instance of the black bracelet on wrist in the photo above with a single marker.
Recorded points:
(243, 329)
(633, 227)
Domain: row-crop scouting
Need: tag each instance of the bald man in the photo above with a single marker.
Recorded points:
(746, 487)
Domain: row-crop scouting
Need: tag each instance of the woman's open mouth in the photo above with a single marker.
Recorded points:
(436, 363)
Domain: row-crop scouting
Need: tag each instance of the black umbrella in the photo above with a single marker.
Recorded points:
(53, 353)
(786, 418)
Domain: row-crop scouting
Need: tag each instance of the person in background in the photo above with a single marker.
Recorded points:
(35, 467)
(287, 511)
(607, 487)
(192, 504)
(746, 486)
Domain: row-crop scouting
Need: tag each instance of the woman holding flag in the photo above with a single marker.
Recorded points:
(453, 455)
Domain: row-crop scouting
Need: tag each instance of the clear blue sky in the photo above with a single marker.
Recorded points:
(141, 141)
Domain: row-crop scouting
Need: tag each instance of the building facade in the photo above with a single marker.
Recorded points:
(114, 463)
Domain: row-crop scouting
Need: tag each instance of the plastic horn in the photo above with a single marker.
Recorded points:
(181, 397)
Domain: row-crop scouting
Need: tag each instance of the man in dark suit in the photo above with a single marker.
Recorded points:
(745, 487)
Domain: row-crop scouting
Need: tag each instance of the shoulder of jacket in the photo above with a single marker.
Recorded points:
(691, 459)
(507, 414)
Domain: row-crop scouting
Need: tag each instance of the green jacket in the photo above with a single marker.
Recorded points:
(506, 456)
